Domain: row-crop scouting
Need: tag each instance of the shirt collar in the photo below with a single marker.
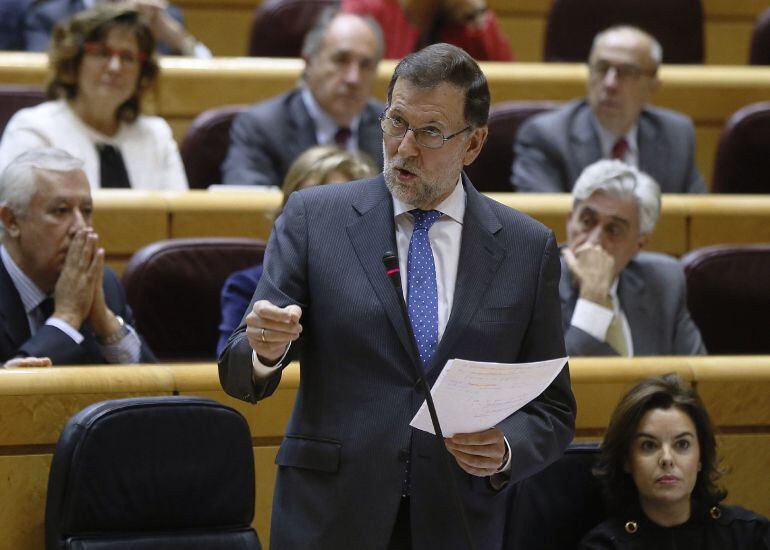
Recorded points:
(453, 206)
(325, 126)
(30, 294)
(608, 139)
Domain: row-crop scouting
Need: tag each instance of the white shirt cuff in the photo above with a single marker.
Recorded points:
(66, 328)
(592, 318)
(262, 371)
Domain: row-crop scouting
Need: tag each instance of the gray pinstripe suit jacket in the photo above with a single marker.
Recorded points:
(348, 442)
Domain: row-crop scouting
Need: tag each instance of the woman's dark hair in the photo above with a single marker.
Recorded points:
(65, 54)
(662, 392)
(441, 63)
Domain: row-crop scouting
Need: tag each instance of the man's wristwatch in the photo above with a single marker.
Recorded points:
(116, 336)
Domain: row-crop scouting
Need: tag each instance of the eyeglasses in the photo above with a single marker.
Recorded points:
(102, 52)
(427, 137)
(624, 72)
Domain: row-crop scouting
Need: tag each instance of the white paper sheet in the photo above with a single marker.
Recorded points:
(471, 396)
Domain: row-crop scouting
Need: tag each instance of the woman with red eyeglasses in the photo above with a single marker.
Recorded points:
(101, 61)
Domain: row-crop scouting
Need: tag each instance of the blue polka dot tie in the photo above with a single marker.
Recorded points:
(422, 295)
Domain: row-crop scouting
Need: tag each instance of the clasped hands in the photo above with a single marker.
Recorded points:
(79, 294)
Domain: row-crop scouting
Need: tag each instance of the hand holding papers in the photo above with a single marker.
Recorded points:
(472, 396)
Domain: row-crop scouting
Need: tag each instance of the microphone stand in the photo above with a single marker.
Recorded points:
(390, 260)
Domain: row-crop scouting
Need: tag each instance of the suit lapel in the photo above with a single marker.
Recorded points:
(653, 153)
(15, 323)
(480, 258)
(586, 147)
(370, 134)
(299, 138)
(635, 303)
(372, 233)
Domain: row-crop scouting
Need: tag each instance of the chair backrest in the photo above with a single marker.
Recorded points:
(14, 98)
(677, 24)
(491, 171)
(759, 52)
(174, 286)
(205, 145)
(279, 26)
(172, 472)
(556, 507)
(742, 164)
(728, 293)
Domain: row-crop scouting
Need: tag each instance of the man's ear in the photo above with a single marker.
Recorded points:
(642, 242)
(475, 143)
(10, 221)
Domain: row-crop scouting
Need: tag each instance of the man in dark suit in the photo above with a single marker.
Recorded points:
(615, 299)
(164, 21)
(57, 299)
(552, 148)
(481, 284)
(331, 107)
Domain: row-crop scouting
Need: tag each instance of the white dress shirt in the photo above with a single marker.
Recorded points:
(595, 319)
(325, 126)
(607, 140)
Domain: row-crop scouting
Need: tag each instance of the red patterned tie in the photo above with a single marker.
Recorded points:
(620, 149)
(341, 137)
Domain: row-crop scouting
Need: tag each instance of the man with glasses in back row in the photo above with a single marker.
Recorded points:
(480, 282)
(614, 122)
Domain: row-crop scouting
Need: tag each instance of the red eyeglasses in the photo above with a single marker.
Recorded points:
(102, 52)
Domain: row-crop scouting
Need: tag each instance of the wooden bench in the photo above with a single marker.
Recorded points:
(126, 220)
(187, 87)
(35, 405)
(224, 26)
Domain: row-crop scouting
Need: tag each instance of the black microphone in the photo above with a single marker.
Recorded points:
(393, 271)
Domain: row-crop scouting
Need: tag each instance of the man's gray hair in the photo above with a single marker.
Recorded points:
(18, 180)
(311, 45)
(619, 179)
(656, 50)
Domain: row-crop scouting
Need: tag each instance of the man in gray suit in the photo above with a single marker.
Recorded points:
(481, 285)
(332, 105)
(552, 148)
(615, 299)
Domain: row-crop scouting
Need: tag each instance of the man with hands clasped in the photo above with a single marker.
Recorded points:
(58, 300)
(480, 283)
(615, 299)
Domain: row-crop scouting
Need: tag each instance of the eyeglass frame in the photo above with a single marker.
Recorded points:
(418, 131)
(126, 56)
(623, 71)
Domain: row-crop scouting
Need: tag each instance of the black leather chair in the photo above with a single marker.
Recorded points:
(14, 98)
(279, 26)
(742, 164)
(491, 171)
(677, 24)
(759, 51)
(205, 145)
(152, 473)
(174, 286)
(556, 507)
(728, 293)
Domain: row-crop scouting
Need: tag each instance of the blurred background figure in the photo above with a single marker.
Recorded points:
(164, 20)
(617, 299)
(659, 467)
(331, 106)
(12, 24)
(409, 25)
(316, 166)
(101, 62)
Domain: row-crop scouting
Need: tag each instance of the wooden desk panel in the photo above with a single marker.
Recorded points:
(187, 87)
